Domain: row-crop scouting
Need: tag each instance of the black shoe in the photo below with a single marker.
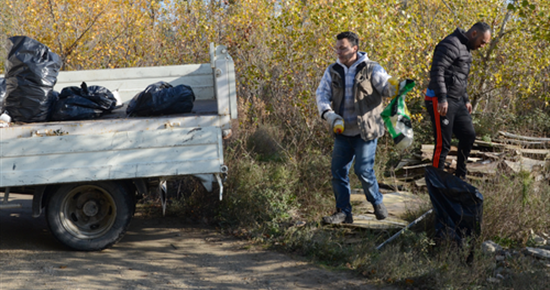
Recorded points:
(338, 218)
(380, 211)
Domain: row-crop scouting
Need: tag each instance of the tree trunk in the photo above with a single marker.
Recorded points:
(477, 98)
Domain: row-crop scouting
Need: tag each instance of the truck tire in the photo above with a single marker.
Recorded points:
(90, 216)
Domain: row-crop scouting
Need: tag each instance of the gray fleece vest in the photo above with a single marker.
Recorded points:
(368, 101)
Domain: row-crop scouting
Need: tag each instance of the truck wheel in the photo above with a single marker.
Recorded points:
(89, 217)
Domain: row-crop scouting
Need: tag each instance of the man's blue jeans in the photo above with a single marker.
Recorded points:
(343, 154)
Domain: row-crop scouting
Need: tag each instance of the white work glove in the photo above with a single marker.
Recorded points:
(335, 121)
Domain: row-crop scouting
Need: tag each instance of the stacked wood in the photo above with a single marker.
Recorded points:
(508, 151)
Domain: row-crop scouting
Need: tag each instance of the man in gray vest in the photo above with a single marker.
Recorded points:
(351, 93)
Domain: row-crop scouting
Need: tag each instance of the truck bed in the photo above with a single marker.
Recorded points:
(120, 147)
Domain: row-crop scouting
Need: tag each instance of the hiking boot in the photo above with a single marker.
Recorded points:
(380, 211)
(338, 218)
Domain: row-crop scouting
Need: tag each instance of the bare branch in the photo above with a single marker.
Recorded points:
(449, 7)
(486, 57)
(71, 48)
(52, 13)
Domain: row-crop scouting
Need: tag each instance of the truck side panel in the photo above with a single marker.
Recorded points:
(115, 155)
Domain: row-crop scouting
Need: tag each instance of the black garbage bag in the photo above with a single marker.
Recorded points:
(82, 103)
(31, 73)
(101, 96)
(162, 98)
(75, 108)
(458, 206)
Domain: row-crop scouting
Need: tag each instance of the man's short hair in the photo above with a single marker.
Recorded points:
(352, 37)
(481, 27)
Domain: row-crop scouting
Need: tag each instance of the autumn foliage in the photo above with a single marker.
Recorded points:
(282, 47)
(279, 155)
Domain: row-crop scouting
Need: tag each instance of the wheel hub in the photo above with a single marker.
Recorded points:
(90, 208)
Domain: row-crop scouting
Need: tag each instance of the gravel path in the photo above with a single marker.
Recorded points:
(157, 253)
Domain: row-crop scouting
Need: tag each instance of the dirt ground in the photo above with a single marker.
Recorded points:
(157, 253)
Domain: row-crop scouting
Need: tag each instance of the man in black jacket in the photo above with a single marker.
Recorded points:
(446, 97)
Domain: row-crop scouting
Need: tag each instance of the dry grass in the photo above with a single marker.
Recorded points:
(265, 196)
(515, 204)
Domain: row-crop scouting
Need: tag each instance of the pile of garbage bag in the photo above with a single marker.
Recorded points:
(27, 95)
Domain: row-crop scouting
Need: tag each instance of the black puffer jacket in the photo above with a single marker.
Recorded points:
(450, 67)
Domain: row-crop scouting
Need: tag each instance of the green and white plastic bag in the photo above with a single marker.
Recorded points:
(397, 118)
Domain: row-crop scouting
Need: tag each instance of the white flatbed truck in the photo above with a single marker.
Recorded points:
(85, 175)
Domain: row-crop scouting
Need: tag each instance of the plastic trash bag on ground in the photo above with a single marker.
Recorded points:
(31, 73)
(397, 118)
(458, 206)
(162, 98)
(83, 103)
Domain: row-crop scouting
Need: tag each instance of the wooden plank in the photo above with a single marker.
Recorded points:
(535, 151)
(492, 155)
(416, 166)
(453, 150)
(489, 144)
(428, 149)
(431, 147)
(429, 156)
(513, 147)
(484, 168)
(525, 164)
(528, 138)
(370, 222)
(523, 143)
(405, 162)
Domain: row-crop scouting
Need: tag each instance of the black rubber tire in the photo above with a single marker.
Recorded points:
(90, 216)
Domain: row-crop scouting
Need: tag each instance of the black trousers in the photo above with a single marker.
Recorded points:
(458, 121)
